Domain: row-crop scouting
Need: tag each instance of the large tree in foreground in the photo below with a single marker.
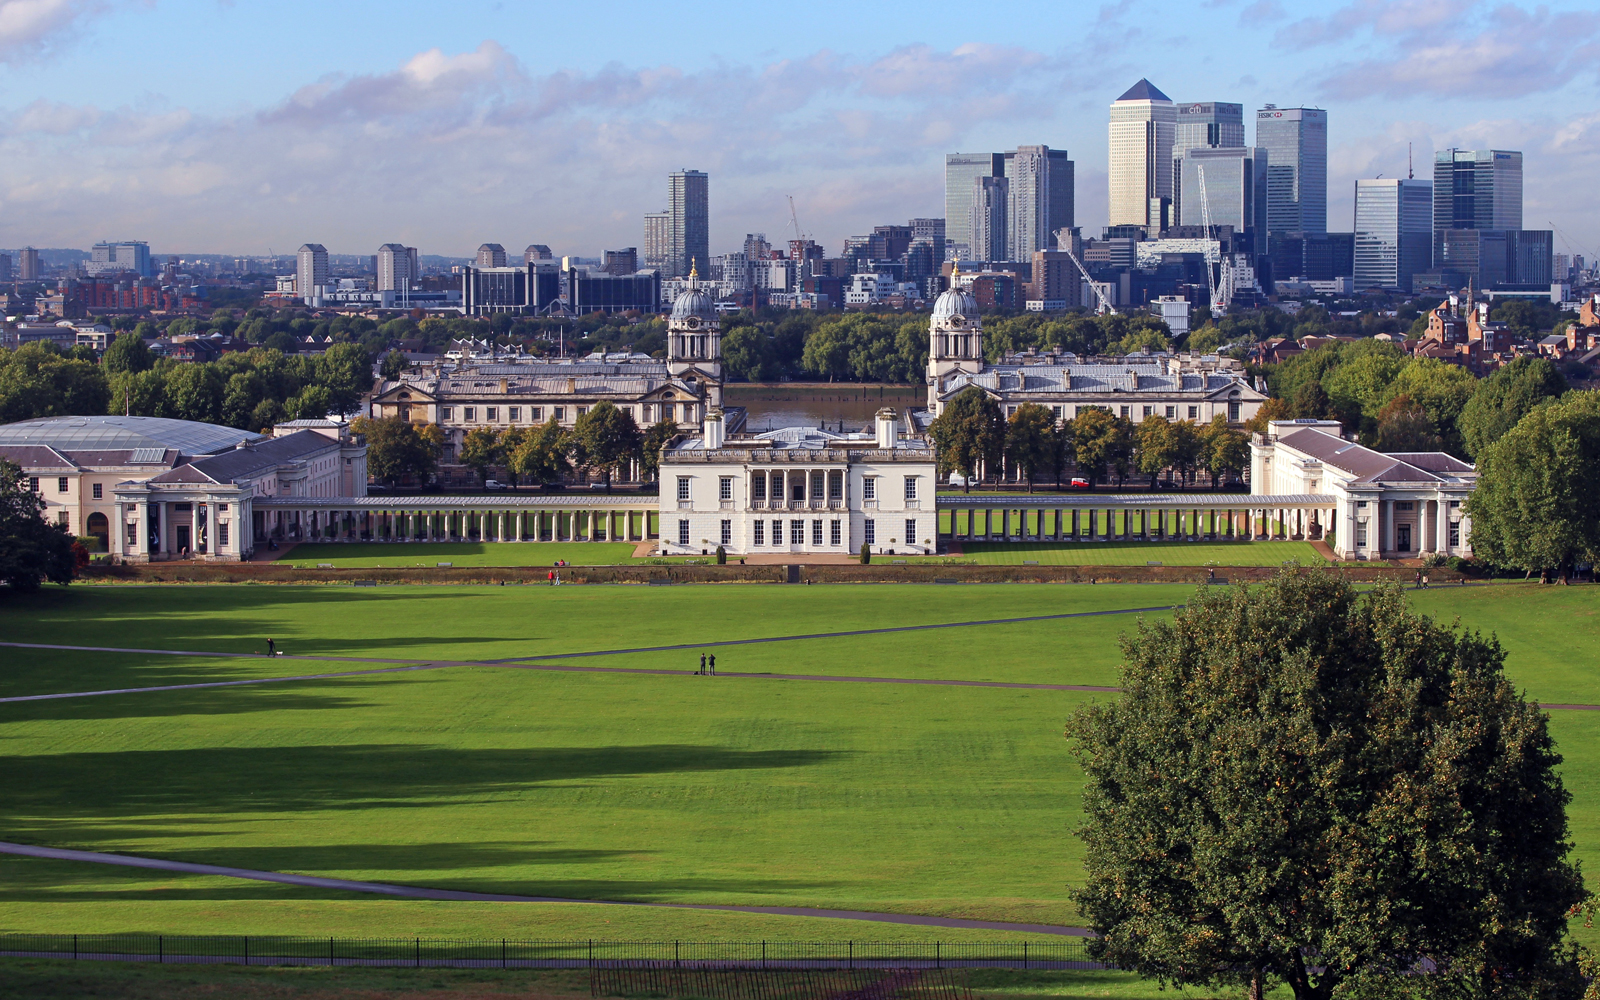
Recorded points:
(32, 550)
(1304, 785)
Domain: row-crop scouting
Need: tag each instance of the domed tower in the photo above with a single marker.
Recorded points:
(694, 333)
(955, 337)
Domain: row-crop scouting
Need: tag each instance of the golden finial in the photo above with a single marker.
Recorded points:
(693, 271)
(955, 272)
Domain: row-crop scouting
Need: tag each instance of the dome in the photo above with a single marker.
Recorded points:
(954, 302)
(111, 433)
(694, 302)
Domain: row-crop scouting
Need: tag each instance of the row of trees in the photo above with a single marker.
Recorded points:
(975, 440)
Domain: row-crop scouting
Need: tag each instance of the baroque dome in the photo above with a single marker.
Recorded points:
(694, 303)
(954, 302)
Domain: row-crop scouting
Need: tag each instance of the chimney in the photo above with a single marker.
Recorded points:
(886, 427)
(713, 429)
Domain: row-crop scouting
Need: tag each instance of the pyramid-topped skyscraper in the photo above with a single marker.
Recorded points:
(1144, 122)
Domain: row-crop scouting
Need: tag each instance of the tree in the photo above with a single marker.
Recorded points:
(394, 365)
(1311, 400)
(1442, 390)
(1158, 446)
(747, 354)
(1029, 443)
(1187, 448)
(1534, 505)
(510, 441)
(128, 353)
(1504, 398)
(542, 455)
(1097, 440)
(1306, 785)
(481, 451)
(1223, 449)
(31, 549)
(605, 438)
(827, 351)
(345, 370)
(1404, 426)
(650, 447)
(398, 448)
(1206, 339)
(969, 435)
(1272, 409)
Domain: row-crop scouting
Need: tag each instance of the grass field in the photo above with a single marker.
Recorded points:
(955, 801)
(1220, 554)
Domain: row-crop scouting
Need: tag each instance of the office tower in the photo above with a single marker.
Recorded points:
(1490, 257)
(990, 198)
(537, 251)
(1393, 232)
(929, 231)
(1041, 198)
(1143, 126)
(130, 255)
(888, 242)
(491, 255)
(620, 262)
(5, 267)
(1235, 187)
(1475, 189)
(1296, 141)
(960, 170)
(395, 268)
(657, 239)
(311, 272)
(1202, 125)
(689, 225)
(28, 266)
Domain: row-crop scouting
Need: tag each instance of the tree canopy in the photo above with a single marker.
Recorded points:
(605, 438)
(397, 448)
(969, 434)
(1504, 398)
(32, 550)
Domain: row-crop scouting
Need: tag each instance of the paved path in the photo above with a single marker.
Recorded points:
(420, 892)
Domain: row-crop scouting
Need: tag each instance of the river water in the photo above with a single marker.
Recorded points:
(809, 405)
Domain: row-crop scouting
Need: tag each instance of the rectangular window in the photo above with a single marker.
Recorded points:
(133, 532)
(222, 534)
(1149, 410)
(911, 532)
(1404, 505)
(817, 485)
(683, 532)
(491, 413)
(797, 487)
(33, 483)
(513, 413)
(1124, 411)
(1455, 533)
(1233, 412)
(1055, 411)
(727, 532)
(911, 487)
(797, 532)
(869, 531)
(836, 486)
(1361, 533)
(758, 488)
(777, 532)
(725, 489)
(1194, 413)
(61, 485)
(222, 508)
(61, 518)
(560, 413)
(835, 533)
(816, 533)
(683, 488)
(469, 413)
(582, 410)
(1455, 503)
(1172, 413)
(869, 488)
(1361, 504)
(536, 413)
(99, 491)
(761, 533)
(446, 412)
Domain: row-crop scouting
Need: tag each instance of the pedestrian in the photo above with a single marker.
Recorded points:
(552, 577)
(271, 648)
(713, 664)
(702, 670)
(1425, 581)
(1419, 579)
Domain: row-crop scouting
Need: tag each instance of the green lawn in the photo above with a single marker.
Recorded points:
(366, 555)
(921, 799)
(1220, 554)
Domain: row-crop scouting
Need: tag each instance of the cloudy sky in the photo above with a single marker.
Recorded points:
(239, 126)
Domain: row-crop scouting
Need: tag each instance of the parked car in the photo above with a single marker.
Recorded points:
(1167, 484)
(1079, 484)
(494, 484)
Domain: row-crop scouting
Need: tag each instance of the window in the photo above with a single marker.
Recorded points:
(835, 533)
(1361, 533)
(61, 485)
(797, 487)
(1055, 411)
(797, 532)
(1361, 504)
(1455, 533)
(911, 531)
(33, 483)
(1172, 413)
(560, 413)
(758, 489)
(1404, 505)
(99, 491)
(761, 533)
(469, 413)
(727, 532)
(777, 532)
(869, 531)
(683, 531)
(869, 488)
(1194, 413)
(536, 413)
(1124, 411)
(222, 534)
(836, 485)
(133, 532)
(818, 484)
(491, 413)
(1455, 503)
(683, 488)
(61, 518)
(222, 508)
(816, 533)
(582, 410)
(725, 489)
(1149, 410)
(514, 413)
(911, 487)
(446, 412)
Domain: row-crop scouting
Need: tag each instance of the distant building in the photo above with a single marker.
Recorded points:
(620, 262)
(1203, 125)
(1235, 187)
(491, 255)
(311, 272)
(961, 171)
(1056, 282)
(929, 231)
(987, 226)
(1393, 232)
(28, 265)
(689, 221)
(1296, 141)
(397, 267)
(1477, 189)
(1142, 130)
(5, 267)
(537, 251)
(1495, 257)
(585, 290)
(657, 239)
(1040, 193)
(130, 255)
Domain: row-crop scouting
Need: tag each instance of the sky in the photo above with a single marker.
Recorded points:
(242, 126)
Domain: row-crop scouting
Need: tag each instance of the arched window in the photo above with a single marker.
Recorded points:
(100, 528)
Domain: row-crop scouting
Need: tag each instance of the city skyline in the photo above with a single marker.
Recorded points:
(447, 136)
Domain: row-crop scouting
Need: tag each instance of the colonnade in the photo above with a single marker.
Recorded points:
(453, 524)
(980, 522)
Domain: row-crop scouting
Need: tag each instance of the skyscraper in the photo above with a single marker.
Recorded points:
(311, 272)
(1235, 187)
(1296, 141)
(1143, 127)
(689, 222)
(395, 270)
(1393, 232)
(28, 266)
(1040, 192)
(1202, 125)
(128, 255)
(990, 201)
(657, 239)
(1477, 189)
(491, 255)
(960, 169)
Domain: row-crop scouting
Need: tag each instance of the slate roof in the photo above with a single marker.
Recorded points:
(107, 433)
(1144, 90)
(1092, 378)
(1369, 466)
(247, 463)
(35, 456)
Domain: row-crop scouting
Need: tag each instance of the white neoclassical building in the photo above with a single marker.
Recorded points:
(1383, 506)
(799, 490)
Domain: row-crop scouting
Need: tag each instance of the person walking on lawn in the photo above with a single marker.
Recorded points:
(271, 648)
(713, 664)
(702, 670)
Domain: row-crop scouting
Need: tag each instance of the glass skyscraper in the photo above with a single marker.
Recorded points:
(1142, 130)
(1474, 189)
(1235, 187)
(960, 170)
(688, 222)
(987, 218)
(1202, 125)
(1040, 199)
(1393, 232)
(1296, 141)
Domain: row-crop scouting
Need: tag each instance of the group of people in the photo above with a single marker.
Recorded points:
(708, 666)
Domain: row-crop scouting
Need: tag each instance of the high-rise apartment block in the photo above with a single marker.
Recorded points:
(689, 222)
(1143, 128)
(537, 251)
(1477, 189)
(28, 265)
(657, 239)
(130, 255)
(961, 171)
(491, 255)
(1296, 141)
(1235, 187)
(1202, 125)
(311, 272)
(990, 201)
(1040, 192)
(620, 262)
(396, 267)
(929, 231)
(1393, 232)
(5, 267)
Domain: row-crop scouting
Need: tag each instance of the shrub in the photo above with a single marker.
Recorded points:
(722, 556)
(866, 554)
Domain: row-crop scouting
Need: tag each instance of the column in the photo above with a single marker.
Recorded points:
(1388, 526)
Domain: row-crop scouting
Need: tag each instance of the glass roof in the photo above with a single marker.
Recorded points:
(111, 433)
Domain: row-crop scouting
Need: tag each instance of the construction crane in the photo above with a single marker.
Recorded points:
(795, 219)
(1105, 303)
(1218, 309)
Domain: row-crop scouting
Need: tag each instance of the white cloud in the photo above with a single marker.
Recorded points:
(30, 27)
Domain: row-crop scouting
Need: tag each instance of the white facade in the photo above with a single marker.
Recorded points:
(1382, 506)
(311, 272)
(799, 490)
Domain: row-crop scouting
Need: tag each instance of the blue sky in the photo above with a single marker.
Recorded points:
(207, 126)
